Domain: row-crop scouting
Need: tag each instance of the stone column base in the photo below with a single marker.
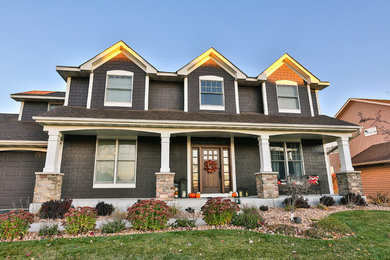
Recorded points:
(165, 188)
(267, 185)
(47, 186)
(349, 182)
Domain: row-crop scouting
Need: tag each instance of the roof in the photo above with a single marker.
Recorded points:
(375, 154)
(162, 116)
(13, 129)
(380, 102)
(39, 95)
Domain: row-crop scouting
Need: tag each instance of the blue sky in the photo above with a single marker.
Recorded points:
(344, 42)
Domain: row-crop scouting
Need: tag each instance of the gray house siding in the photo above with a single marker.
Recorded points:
(210, 68)
(315, 102)
(166, 95)
(247, 163)
(78, 92)
(31, 109)
(178, 157)
(99, 83)
(314, 160)
(78, 162)
(250, 99)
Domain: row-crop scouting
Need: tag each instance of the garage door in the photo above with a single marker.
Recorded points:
(17, 177)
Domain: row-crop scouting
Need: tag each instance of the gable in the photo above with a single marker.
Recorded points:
(285, 73)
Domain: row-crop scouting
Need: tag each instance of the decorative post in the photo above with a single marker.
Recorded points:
(165, 188)
(348, 180)
(48, 183)
(266, 179)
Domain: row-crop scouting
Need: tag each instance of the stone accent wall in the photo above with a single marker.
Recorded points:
(349, 182)
(165, 189)
(267, 185)
(47, 187)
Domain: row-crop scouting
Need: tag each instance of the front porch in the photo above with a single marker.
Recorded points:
(254, 161)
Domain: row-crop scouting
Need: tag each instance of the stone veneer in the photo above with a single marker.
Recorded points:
(47, 186)
(165, 188)
(349, 182)
(267, 185)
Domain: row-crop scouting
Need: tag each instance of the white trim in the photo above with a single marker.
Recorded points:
(189, 165)
(211, 107)
(265, 153)
(359, 100)
(264, 95)
(37, 97)
(54, 150)
(236, 97)
(68, 82)
(146, 92)
(32, 149)
(185, 94)
(288, 83)
(286, 160)
(318, 102)
(330, 182)
(165, 153)
(21, 110)
(119, 73)
(233, 161)
(90, 88)
(115, 185)
(344, 154)
(310, 100)
(21, 142)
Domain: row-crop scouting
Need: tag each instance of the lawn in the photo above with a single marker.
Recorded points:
(372, 240)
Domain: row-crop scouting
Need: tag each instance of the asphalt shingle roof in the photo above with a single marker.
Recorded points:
(13, 129)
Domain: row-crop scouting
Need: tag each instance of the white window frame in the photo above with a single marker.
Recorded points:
(53, 103)
(115, 185)
(288, 83)
(286, 155)
(119, 73)
(211, 107)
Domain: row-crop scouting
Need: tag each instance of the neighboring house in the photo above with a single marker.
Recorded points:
(370, 151)
(123, 129)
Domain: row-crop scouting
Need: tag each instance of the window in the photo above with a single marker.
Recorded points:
(211, 93)
(119, 88)
(52, 106)
(115, 164)
(286, 159)
(288, 97)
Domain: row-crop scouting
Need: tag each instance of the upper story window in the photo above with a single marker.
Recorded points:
(211, 93)
(286, 159)
(119, 88)
(53, 105)
(115, 163)
(288, 96)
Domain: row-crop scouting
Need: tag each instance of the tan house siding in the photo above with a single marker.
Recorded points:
(375, 178)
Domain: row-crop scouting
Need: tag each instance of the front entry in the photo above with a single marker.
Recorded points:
(211, 169)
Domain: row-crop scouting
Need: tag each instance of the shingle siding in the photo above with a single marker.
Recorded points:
(31, 109)
(78, 92)
(250, 99)
(78, 163)
(120, 62)
(166, 95)
(178, 157)
(210, 68)
(315, 102)
(314, 160)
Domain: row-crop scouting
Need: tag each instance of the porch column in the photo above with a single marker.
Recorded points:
(48, 183)
(165, 188)
(266, 179)
(348, 180)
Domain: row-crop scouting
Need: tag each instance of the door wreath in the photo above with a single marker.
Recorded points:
(210, 166)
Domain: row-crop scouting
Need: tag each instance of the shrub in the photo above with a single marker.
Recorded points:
(54, 209)
(174, 210)
(250, 219)
(183, 222)
(113, 226)
(48, 230)
(15, 224)
(80, 220)
(149, 215)
(380, 198)
(104, 209)
(353, 199)
(327, 201)
(218, 211)
(299, 203)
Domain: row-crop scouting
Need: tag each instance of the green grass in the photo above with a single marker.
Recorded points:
(372, 240)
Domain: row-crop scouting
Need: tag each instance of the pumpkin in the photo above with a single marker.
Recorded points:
(191, 195)
(197, 195)
(234, 194)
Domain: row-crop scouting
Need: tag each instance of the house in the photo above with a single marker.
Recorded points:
(123, 129)
(370, 150)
